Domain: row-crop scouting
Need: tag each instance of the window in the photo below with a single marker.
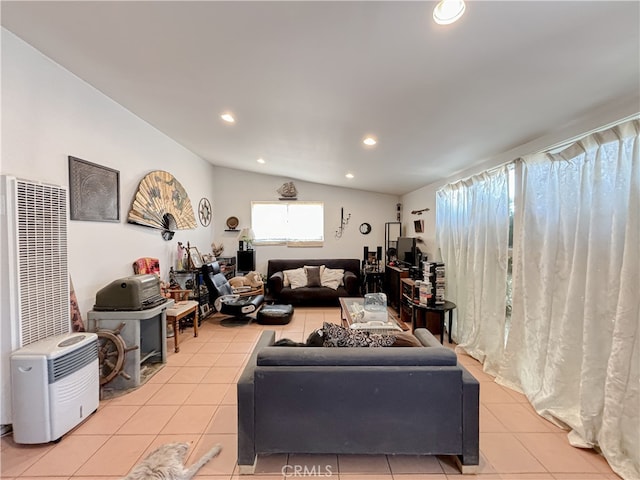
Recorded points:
(296, 224)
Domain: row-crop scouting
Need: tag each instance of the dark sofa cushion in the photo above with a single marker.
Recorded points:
(354, 356)
(310, 295)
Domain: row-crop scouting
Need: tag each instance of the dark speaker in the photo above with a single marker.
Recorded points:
(365, 255)
(240, 245)
(246, 260)
(379, 254)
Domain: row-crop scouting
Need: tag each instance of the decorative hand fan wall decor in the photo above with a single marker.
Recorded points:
(161, 202)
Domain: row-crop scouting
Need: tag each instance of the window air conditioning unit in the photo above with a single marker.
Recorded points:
(55, 385)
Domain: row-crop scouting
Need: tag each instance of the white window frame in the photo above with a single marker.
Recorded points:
(287, 238)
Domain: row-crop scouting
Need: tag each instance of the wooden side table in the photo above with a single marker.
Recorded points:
(441, 309)
(178, 311)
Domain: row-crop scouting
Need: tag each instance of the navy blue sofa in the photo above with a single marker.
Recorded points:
(387, 400)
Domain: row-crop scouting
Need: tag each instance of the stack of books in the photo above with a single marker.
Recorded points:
(440, 284)
(426, 292)
(434, 284)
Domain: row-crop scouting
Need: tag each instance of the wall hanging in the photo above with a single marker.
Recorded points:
(344, 221)
(205, 212)
(419, 212)
(94, 192)
(232, 224)
(161, 202)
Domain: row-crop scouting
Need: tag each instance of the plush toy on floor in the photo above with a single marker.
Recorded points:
(167, 463)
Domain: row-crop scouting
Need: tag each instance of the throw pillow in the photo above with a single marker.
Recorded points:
(313, 276)
(297, 278)
(285, 273)
(406, 339)
(338, 336)
(332, 277)
(322, 267)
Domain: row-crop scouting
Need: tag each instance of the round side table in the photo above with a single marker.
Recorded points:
(440, 309)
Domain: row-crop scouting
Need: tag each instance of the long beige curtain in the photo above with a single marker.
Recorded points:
(472, 219)
(573, 347)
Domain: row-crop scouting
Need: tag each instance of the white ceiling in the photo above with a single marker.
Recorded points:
(308, 80)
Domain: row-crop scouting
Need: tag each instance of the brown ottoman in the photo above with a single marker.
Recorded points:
(275, 314)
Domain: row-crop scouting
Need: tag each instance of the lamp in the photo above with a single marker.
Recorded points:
(247, 236)
(448, 11)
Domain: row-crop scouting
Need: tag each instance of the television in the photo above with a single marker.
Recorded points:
(407, 252)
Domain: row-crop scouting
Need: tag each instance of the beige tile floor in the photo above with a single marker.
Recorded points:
(193, 399)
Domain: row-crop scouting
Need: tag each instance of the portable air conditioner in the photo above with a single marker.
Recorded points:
(55, 385)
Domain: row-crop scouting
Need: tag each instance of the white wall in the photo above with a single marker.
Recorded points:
(234, 191)
(425, 197)
(49, 114)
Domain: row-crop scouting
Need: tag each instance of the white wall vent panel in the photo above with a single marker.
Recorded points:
(41, 248)
(34, 275)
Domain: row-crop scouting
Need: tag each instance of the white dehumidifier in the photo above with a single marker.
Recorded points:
(55, 385)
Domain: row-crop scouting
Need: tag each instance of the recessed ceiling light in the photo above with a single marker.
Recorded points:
(261, 160)
(349, 175)
(448, 11)
(370, 141)
(227, 117)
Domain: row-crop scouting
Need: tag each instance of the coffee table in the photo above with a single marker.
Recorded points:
(348, 314)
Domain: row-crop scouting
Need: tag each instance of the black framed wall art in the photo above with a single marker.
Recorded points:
(94, 192)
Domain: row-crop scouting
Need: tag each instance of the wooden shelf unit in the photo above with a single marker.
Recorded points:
(199, 291)
(423, 318)
(227, 266)
(392, 278)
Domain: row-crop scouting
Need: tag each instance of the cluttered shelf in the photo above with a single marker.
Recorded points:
(422, 310)
(227, 266)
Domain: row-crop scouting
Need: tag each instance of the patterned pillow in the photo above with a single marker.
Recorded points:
(337, 336)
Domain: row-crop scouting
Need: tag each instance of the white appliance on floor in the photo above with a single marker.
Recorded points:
(55, 385)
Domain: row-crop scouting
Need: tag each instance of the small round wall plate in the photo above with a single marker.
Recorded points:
(232, 223)
(204, 212)
(365, 228)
